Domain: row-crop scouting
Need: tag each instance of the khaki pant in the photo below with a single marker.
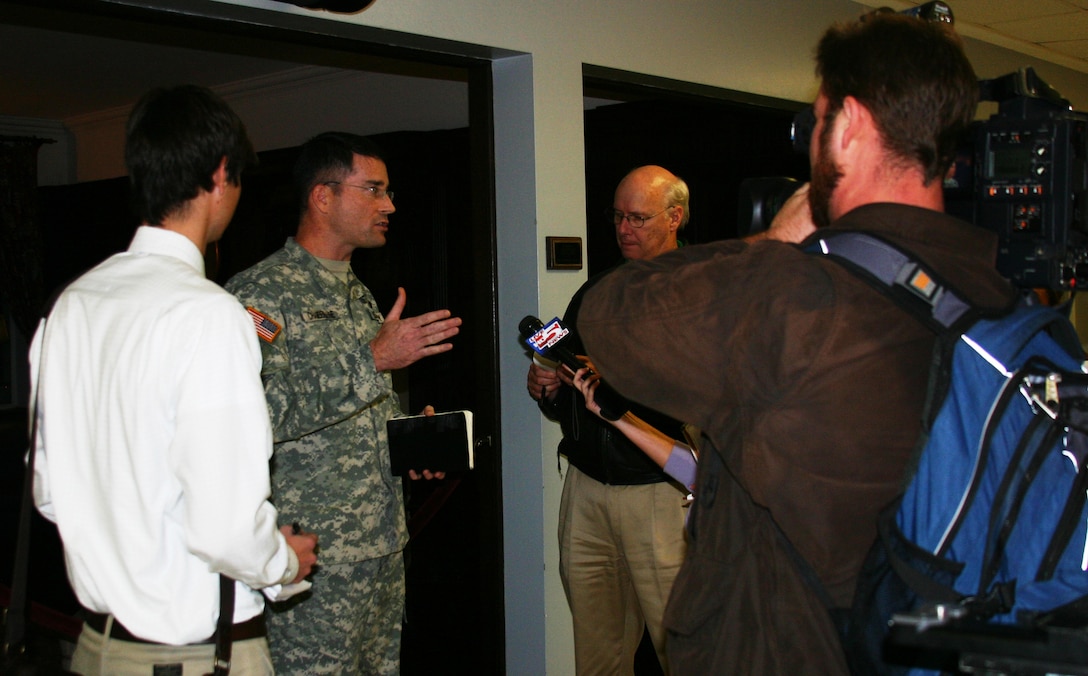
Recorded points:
(97, 655)
(620, 547)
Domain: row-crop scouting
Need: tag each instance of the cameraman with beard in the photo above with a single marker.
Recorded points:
(808, 383)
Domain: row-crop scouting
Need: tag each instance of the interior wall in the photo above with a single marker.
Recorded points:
(751, 46)
(748, 45)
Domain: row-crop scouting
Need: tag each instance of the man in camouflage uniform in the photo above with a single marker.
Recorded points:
(328, 354)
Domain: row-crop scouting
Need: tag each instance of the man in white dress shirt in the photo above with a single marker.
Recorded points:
(153, 433)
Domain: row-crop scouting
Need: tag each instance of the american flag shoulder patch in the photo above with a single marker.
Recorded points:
(267, 330)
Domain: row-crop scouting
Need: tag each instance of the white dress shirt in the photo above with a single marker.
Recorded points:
(154, 442)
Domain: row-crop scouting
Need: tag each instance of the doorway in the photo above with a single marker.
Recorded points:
(444, 255)
(711, 138)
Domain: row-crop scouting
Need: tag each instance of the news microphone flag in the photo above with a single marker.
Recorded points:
(547, 336)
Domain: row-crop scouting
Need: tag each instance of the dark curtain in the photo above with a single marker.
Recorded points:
(21, 244)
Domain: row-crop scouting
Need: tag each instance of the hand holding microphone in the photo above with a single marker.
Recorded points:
(549, 342)
(587, 381)
(543, 380)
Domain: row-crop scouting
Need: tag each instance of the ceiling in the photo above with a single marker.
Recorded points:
(1050, 30)
(54, 78)
(46, 73)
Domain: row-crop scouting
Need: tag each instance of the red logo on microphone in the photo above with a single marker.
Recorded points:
(546, 338)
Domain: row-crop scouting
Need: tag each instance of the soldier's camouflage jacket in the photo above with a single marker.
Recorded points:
(328, 403)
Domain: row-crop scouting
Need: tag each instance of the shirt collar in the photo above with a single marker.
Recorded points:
(152, 239)
(321, 274)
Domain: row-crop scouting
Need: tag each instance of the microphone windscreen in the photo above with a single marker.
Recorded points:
(529, 325)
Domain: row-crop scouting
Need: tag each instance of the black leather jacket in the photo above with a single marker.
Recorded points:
(592, 445)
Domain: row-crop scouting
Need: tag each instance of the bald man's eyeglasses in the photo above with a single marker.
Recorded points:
(634, 220)
(375, 191)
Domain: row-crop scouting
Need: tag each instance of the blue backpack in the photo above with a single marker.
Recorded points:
(982, 561)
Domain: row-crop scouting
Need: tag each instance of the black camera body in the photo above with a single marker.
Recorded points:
(1023, 174)
(1030, 183)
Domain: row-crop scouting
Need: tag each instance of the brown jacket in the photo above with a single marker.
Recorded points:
(809, 385)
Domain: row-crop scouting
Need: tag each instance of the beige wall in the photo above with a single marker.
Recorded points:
(748, 45)
(757, 46)
(761, 47)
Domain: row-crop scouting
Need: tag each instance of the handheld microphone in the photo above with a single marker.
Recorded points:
(547, 341)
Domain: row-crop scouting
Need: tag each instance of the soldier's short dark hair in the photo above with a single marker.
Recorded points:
(329, 156)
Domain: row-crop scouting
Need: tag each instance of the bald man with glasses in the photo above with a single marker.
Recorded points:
(621, 518)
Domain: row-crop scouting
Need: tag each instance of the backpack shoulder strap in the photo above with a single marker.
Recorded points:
(900, 275)
(897, 274)
(917, 289)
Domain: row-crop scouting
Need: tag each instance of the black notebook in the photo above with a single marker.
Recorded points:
(440, 443)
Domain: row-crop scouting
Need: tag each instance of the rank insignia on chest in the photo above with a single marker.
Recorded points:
(267, 330)
(318, 315)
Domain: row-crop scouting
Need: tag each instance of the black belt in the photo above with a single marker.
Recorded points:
(242, 631)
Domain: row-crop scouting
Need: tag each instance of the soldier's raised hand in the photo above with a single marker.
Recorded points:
(403, 342)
